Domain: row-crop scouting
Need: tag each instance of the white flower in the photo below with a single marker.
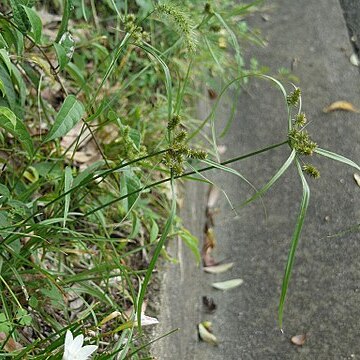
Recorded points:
(74, 350)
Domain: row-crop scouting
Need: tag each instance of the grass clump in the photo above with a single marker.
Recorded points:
(95, 110)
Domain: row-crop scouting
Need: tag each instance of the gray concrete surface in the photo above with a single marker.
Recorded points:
(324, 294)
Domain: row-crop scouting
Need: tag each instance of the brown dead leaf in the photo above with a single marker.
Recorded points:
(298, 340)
(340, 105)
(209, 304)
(357, 178)
(212, 94)
(208, 246)
(205, 334)
(11, 345)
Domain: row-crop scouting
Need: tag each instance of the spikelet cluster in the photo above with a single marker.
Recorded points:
(179, 151)
(181, 23)
(137, 33)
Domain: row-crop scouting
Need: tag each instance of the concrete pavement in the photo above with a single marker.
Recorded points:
(324, 295)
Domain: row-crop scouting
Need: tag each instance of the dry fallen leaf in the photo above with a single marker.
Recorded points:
(212, 94)
(298, 340)
(208, 245)
(209, 304)
(205, 334)
(357, 178)
(340, 105)
(228, 284)
(354, 59)
(217, 269)
(213, 196)
(11, 345)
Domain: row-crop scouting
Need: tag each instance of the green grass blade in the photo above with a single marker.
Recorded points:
(168, 83)
(272, 181)
(337, 157)
(68, 179)
(294, 241)
(156, 254)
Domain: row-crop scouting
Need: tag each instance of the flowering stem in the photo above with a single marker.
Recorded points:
(189, 173)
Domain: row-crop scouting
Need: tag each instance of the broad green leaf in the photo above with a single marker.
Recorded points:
(3, 43)
(61, 55)
(15, 127)
(192, 242)
(2, 88)
(88, 173)
(69, 115)
(19, 81)
(35, 22)
(68, 6)
(4, 55)
(68, 180)
(135, 226)
(20, 17)
(294, 241)
(64, 49)
(154, 231)
(132, 183)
(10, 94)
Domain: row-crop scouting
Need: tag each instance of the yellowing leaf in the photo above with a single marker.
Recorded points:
(228, 284)
(340, 105)
(206, 335)
(217, 269)
(108, 318)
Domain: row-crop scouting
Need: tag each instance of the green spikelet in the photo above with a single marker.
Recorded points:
(181, 22)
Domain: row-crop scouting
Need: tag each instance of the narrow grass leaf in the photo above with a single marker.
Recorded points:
(67, 186)
(15, 127)
(337, 157)
(272, 181)
(294, 241)
(156, 254)
(168, 82)
(228, 284)
(69, 115)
